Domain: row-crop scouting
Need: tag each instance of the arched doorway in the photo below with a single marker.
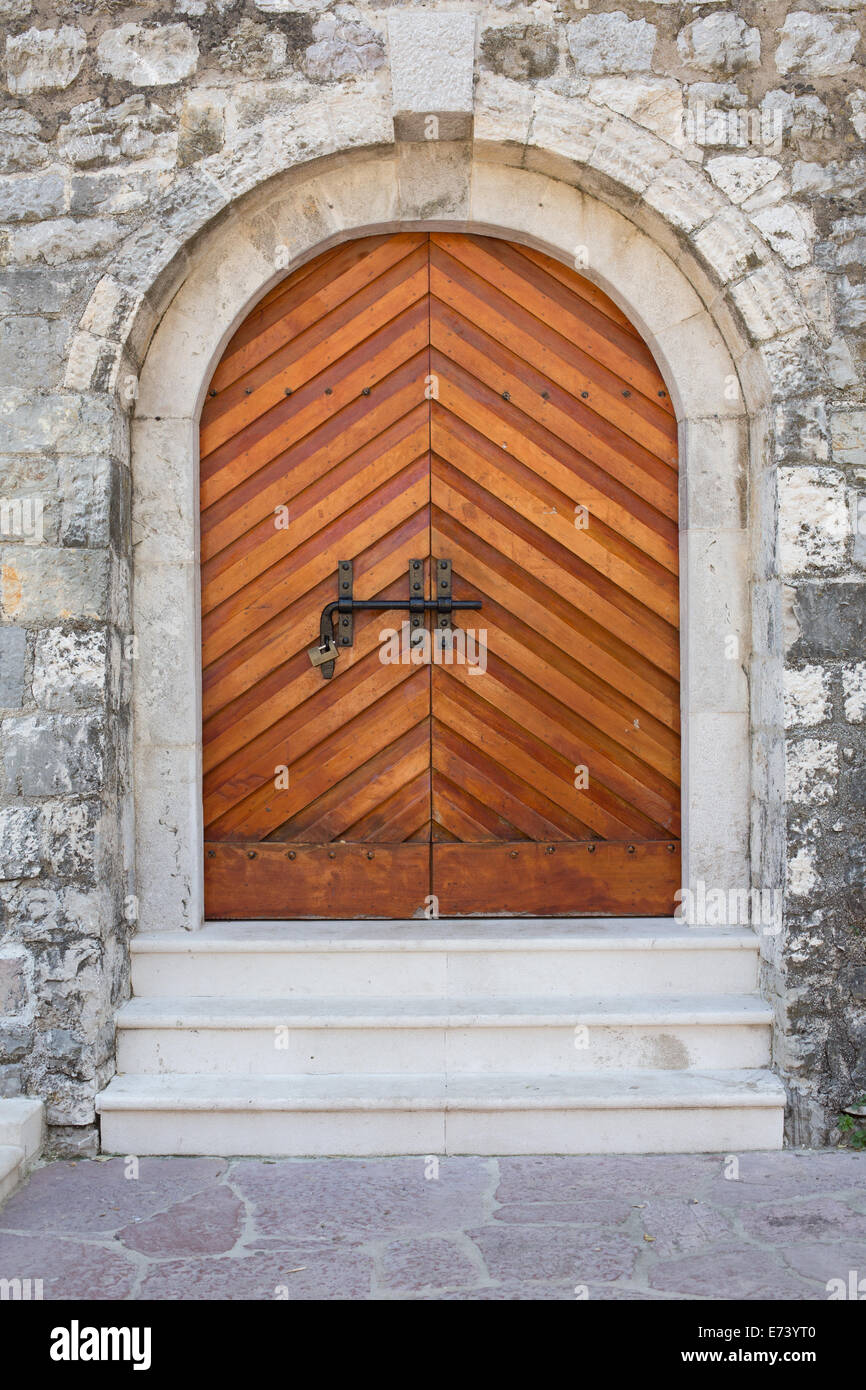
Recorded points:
(433, 408)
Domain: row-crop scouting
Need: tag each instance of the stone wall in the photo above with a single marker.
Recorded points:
(125, 128)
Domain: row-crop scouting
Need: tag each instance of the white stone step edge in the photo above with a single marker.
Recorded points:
(12, 1162)
(22, 1133)
(635, 1090)
(465, 934)
(221, 1013)
(22, 1125)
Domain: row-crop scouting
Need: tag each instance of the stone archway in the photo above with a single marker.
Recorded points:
(235, 262)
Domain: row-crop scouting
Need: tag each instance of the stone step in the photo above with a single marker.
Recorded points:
(12, 1160)
(470, 957)
(298, 1036)
(587, 1112)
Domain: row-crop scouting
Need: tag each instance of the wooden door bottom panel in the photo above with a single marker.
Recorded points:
(567, 878)
(334, 882)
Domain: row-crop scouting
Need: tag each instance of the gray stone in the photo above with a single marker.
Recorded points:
(831, 619)
(20, 145)
(13, 655)
(814, 46)
(611, 43)
(71, 842)
(39, 583)
(47, 754)
(148, 57)
(34, 345)
(11, 10)
(521, 51)
(13, 984)
(201, 132)
(720, 41)
(341, 49)
(41, 59)
(64, 239)
(69, 668)
(254, 50)
(31, 199)
(96, 134)
(19, 842)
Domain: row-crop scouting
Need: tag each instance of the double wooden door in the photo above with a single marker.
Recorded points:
(428, 397)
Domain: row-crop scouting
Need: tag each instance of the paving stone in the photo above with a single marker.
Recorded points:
(743, 1272)
(596, 1211)
(291, 1275)
(209, 1223)
(679, 1226)
(414, 1265)
(69, 1269)
(557, 1179)
(548, 1252)
(819, 1219)
(355, 1197)
(86, 1197)
(822, 1263)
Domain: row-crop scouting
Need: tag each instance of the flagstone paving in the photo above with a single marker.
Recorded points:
(758, 1226)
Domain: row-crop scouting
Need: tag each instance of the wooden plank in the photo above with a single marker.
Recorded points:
(557, 879)
(331, 882)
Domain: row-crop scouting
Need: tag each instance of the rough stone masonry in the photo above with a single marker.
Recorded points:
(106, 108)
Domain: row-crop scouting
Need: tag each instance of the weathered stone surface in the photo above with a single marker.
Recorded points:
(342, 49)
(720, 42)
(253, 50)
(812, 771)
(854, 688)
(96, 134)
(201, 131)
(20, 143)
(814, 522)
(44, 755)
(148, 57)
(740, 177)
(13, 983)
(13, 656)
(807, 696)
(611, 43)
(19, 842)
(521, 51)
(39, 582)
(64, 239)
(69, 668)
(44, 58)
(815, 46)
(656, 103)
(431, 59)
(790, 231)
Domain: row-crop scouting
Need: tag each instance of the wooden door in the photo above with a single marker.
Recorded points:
(420, 397)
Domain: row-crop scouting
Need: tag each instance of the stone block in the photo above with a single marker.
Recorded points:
(41, 583)
(814, 45)
(720, 42)
(13, 656)
(44, 59)
(49, 755)
(69, 670)
(14, 988)
(611, 42)
(20, 855)
(432, 57)
(814, 521)
(148, 57)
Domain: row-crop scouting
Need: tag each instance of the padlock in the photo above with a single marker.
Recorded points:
(319, 655)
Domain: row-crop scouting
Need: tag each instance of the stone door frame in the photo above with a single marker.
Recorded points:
(718, 392)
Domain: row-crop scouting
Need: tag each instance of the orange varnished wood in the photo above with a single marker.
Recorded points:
(416, 396)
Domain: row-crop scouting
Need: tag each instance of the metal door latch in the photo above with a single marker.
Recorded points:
(325, 654)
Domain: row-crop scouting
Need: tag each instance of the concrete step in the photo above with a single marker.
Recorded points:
(586, 1112)
(370, 1036)
(12, 1160)
(469, 958)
